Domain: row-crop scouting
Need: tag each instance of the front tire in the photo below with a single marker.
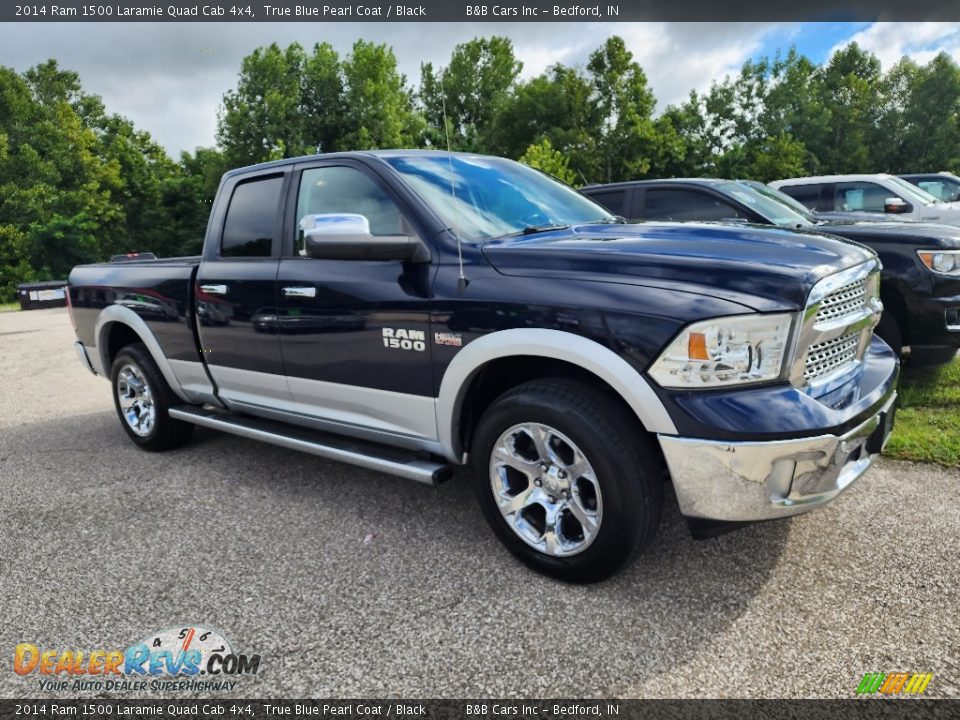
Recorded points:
(143, 400)
(567, 478)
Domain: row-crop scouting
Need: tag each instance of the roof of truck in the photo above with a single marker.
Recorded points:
(399, 152)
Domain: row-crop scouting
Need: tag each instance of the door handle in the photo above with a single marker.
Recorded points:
(214, 289)
(306, 292)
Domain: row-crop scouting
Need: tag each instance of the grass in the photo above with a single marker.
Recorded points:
(9, 307)
(928, 421)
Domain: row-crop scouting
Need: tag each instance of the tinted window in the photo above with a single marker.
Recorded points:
(686, 205)
(248, 230)
(612, 200)
(808, 195)
(861, 197)
(348, 190)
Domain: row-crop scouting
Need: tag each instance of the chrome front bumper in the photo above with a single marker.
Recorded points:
(749, 481)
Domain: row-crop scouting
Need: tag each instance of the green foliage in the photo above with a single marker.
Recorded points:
(928, 421)
(78, 183)
(472, 90)
(543, 156)
(378, 105)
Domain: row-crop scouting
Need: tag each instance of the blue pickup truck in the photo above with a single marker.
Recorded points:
(413, 311)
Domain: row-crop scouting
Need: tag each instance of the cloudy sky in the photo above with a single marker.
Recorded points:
(169, 78)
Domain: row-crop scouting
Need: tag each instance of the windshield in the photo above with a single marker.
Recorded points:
(913, 192)
(798, 207)
(773, 210)
(485, 197)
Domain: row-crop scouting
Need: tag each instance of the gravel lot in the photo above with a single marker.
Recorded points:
(352, 584)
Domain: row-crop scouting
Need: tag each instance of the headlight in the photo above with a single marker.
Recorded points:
(945, 262)
(726, 351)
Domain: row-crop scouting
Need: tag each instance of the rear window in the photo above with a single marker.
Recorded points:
(251, 218)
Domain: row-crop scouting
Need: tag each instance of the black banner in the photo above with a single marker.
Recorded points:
(534, 11)
(864, 709)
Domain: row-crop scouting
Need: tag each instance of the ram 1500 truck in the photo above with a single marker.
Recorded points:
(410, 311)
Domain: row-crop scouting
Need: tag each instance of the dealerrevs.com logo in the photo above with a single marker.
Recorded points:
(191, 657)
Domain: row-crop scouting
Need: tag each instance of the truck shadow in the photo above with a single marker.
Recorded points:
(352, 583)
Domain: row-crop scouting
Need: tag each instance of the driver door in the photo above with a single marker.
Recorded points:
(355, 334)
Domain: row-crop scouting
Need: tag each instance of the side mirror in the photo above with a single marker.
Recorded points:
(346, 236)
(896, 205)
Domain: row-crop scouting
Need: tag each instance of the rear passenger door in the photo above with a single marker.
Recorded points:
(236, 291)
(687, 204)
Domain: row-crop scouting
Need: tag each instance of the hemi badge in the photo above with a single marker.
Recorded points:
(447, 338)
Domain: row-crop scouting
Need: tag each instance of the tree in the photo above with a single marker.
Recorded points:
(931, 132)
(378, 105)
(849, 86)
(472, 89)
(543, 156)
(263, 117)
(556, 106)
(625, 104)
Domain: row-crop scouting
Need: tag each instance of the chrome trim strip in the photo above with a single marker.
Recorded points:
(747, 481)
(423, 471)
(539, 342)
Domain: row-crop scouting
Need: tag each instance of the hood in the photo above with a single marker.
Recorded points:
(764, 268)
(920, 234)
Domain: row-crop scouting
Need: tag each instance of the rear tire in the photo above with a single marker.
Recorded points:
(567, 478)
(143, 400)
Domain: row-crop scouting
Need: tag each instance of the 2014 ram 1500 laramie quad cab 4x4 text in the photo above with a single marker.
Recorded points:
(411, 311)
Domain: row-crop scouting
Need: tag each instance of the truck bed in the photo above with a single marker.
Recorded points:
(158, 291)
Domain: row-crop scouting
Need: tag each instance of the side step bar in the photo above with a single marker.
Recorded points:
(366, 455)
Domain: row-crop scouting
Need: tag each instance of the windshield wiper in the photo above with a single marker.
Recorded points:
(534, 229)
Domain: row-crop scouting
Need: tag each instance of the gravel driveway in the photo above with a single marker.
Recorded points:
(352, 584)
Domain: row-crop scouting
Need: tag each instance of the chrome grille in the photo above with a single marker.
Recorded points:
(843, 302)
(832, 356)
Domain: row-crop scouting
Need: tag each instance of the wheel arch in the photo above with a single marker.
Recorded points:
(116, 327)
(586, 358)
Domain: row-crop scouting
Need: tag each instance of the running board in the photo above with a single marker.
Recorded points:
(366, 455)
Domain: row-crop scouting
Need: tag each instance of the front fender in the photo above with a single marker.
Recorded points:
(555, 344)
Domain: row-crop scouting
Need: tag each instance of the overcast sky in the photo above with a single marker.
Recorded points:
(169, 78)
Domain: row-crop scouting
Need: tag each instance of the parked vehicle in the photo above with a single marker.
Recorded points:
(129, 257)
(471, 310)
(823, 215)
(878, 193)
(921, 296)
(943, 185)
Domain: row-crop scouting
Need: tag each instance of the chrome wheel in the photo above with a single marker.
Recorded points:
(136, 400)
(546, 489)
